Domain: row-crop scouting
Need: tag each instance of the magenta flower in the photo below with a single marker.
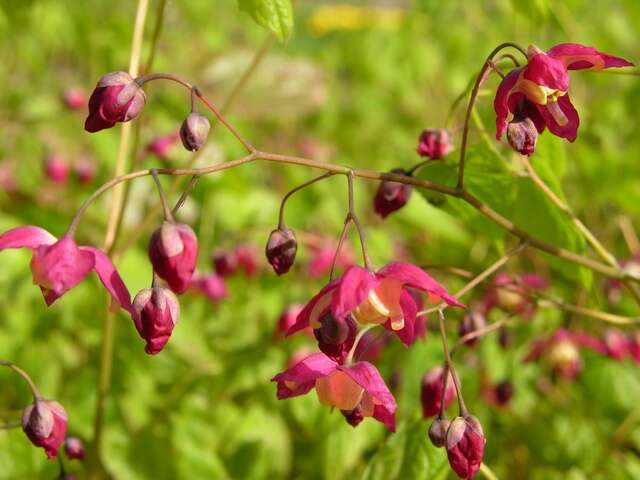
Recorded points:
(431, 392)
(157, 312)
(45, 423)
(434, 143)
(57, 169)
(375, 298)
(211, 285)
(161, 145)
(322, 259)
(75, 98)
(539, 90)
(616, 344)
(391, 196)
(74, 448)
(358, 387)
(116, 98)
(465, 446)
(173, 250)
(288, 318)
(59, 265)
(247, 257)
(514, 294)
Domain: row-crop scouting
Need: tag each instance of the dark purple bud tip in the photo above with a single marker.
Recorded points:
(438, 431)
(74, 448)
(472, 322)
(281, 250)
(194, 131)
(391, 196)
(332, 330)
(522, 135)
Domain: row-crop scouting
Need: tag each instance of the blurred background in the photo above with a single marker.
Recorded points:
(355, 85)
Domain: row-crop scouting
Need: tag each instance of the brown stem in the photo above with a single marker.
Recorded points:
(281, 223)
(185, 194)
(356, 222)
(456, 382)
(168, 216)
(343, 236)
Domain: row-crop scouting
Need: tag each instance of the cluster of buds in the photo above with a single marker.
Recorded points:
(58, 169)
(227, 263)
(514, 294)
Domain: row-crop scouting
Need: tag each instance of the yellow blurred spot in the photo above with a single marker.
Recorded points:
(329, 18)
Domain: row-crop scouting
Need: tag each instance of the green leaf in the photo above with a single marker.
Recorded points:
(276, 15)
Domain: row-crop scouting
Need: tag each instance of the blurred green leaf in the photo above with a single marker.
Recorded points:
(276, 15)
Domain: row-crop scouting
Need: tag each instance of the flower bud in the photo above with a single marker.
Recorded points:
(246, 255)
(116, 98)
(85, 170)
(431, 392)
(173, 250)
(434, 143)
(281, 250)
(224, 263)
(336, 336)
(438, 431)
(465, 446)
(194, 131)
(74, 448)
(45, 423)
(503, 393)
(75, 99)
(522, 135)
(616, 344)
(57, 169)
(391, 196)
(353, 417)
(211, 285)
(157, 312)
(472, 321)
(161, 145)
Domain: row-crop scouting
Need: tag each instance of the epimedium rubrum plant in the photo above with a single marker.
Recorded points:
(345, 317)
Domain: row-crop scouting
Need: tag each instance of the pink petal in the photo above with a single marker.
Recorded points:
(111, 279)
(501, 101)
(535, 281)
(26, 237)
(368, 377)
(415, 277)
(409, 310)
(570, 129)
(546, 71)
(353, 289)
(304, 317)
(578, 57)
(301, 378)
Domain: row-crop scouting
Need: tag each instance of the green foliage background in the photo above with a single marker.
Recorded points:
(355, 89)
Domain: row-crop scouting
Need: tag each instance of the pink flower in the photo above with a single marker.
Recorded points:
(322, 259)
(465, 446)
(59, 265)
(375, 298)
(75, 99)
(391, 196)
(157, 312)
(161, 145)
(616, 344)
(358, 387)
(281, 250)
(74, 448)
(539, 90)
(431, 391)
(434, 143)
(514, 294)
(288, 318)
(57, 169)
(173, 251)
(116, 98)
(211, 285)
(45, 423)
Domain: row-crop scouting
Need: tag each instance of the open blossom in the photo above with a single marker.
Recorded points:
(173, 250)
(45, 423)
(391, 196)
(157, 312)
(379, 298)
(465, 446)
(59, 265)
(434, 143)
(539, 90)
(116, 98)
(357, 390)
(514, 294)
(431, 391)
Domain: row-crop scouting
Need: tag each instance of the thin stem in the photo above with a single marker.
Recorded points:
(356, 222)
(629, 234)
(454, 375)
(478, 333)
(185, 194)
(343, 236)
(34, 390)
(168, 216)
(281, 223)
(487, 472)
(10, 425)
(443, 394)
(587, 312)
(419, 165)
(472, 100)
(508, 56)
(361, 333)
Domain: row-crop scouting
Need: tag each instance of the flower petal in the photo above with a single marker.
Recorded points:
(417, 278)
(571, 121)
(302, 377)
(368, 377)
(111, 279)
(26, 237)
(309, 313)
(353, 289)
(501, 102)
(407, 333)
(579, 57)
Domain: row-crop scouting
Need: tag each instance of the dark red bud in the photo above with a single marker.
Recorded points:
(281, 250)
(194, 131)
(57, 169)
(74, 448)
(332, 330)
(503, 392)
(391, 196)
(434, 143)
(438, 431)
(472, 322)
(224, 263)
(45, 423)
(522, 135)
(157, 312)
(85, 170)
(173, 250)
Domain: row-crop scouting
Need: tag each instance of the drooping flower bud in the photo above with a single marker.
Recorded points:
(84, 169)
(211, 285)
(74, 448)
(465, 446)
(173, 250)
(391, 196)
(472, 322)
(438, 431)
(281, 250)
(194, 131)
(45, 423)
(75, 99)
(161, 145)
(116, 98)
(287, 319)
(157, 312)
(503, 393)
(225, 263)
(616, 344)
(431, 392)
(336, 336)
(434, 143)
(57, 169)
(246, 255)
(522, 135)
